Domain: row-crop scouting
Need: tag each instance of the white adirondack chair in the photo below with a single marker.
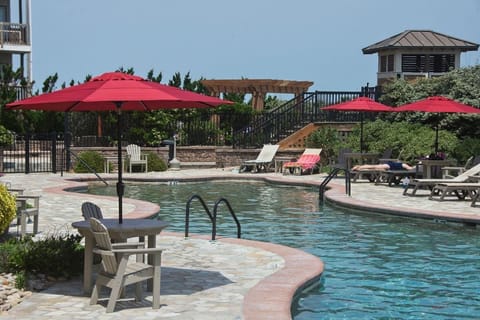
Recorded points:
(135, 157)
(119, 271)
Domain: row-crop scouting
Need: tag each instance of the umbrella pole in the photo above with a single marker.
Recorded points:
(120, 186)
(361, 132)
(436, 140)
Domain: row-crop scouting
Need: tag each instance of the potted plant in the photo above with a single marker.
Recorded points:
(8, 209)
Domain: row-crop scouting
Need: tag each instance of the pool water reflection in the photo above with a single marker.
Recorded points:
(376, 266)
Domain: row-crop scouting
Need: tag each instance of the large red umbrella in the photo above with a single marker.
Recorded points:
(117, 91)
(437, 104)
(360, 104)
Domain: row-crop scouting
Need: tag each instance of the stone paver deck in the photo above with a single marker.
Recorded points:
(225, 279)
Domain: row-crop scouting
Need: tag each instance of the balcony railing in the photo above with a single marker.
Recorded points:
(13, 34)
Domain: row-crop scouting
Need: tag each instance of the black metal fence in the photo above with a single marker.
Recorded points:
(33, 153)
(46, 152)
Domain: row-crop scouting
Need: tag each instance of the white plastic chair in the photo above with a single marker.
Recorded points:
(135, 157)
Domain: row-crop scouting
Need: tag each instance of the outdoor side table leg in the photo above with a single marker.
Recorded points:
(36, 215)
(152, 243)
(88, 264)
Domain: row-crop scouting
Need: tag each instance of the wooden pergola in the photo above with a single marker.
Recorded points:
(258, 88)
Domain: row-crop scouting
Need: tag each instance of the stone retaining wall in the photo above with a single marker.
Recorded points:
(222, 156)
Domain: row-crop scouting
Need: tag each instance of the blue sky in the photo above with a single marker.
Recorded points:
(304, 40)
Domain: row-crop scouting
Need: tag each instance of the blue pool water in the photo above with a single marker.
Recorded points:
(376, 266)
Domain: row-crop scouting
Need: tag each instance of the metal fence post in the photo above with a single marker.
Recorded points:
(54, 152)
(27, 153)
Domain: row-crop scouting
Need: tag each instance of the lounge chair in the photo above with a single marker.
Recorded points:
(341, 160)
(391, 177)
(118, 271)
(416, 184)
(135, 157)
(451, 172)
(307, 162)
(458, 189)
(264, 160)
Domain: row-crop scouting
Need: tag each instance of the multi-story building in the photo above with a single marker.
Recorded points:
(16, 37)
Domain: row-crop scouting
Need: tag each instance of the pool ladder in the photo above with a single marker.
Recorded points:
(213, 217)
(331, 175)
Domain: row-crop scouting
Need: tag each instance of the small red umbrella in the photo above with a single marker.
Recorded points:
(360, 104)
(437, 104)
(117, 91)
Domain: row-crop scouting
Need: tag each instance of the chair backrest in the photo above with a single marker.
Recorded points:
(308, 159)
(342, 160)
(133, 152)
(312, 151)
(468, 163)
(103, 246)
(475, 161)
(268, 152)
(470, 172)
(91, 210)
(387, 154)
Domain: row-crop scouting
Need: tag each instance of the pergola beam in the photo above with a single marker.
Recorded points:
(258, 88)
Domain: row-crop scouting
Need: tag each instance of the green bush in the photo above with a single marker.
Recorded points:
(6, 137)
(327, 139)
(8, 208)
(93, 159)
(55, 255)
(155, 163)
(408, 141)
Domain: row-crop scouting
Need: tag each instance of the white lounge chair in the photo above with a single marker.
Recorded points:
(135, 157)
(416, 184)
(264, 159)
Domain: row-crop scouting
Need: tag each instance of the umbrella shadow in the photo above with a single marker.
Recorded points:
(174, 281)
(177, 281)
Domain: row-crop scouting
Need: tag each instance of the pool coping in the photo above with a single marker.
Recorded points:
(273, 296)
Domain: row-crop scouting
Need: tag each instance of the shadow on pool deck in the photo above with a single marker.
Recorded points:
(261, 288)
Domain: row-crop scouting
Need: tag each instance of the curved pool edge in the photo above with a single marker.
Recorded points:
(336, 195)
(273, 296)
(142, 209)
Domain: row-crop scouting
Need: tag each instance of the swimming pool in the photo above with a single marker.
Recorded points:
(376, 266)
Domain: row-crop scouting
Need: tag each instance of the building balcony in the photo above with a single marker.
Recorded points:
(22, 92)
(14, 37)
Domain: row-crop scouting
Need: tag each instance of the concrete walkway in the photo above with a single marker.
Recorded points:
(225, 279)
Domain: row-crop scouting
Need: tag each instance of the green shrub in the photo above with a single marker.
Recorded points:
(6, 137)
(327, 139)
(55, 255)
(155, 163)
(8, 208)
(93, 159)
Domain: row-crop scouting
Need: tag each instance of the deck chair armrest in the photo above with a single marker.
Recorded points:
(138, 251)
(24, 197)
(126, 245)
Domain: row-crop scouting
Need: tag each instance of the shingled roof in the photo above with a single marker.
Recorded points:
(420, 39)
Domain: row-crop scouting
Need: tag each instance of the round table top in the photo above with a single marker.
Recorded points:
(129, 227)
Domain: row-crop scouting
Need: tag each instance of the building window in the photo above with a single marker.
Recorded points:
(387, 63)
(437, 63)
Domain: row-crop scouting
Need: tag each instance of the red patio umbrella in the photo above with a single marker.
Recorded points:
(437, 104)
(360, 104)
(117, 91)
